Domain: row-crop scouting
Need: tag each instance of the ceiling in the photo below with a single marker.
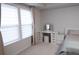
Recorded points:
(51, 5)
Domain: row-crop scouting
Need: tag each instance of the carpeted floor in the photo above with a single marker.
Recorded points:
(41, 49)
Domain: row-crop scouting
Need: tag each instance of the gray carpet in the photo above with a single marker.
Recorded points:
(41, 49)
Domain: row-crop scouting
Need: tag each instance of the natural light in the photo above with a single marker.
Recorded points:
(10, 24)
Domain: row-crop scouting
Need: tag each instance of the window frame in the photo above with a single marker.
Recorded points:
(19, 24)
(25, 24)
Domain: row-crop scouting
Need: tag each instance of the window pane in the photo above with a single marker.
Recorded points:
(26, 23)
(26, 17)
(26, 31)
(9, 34)
(9, 15)
(9, 23)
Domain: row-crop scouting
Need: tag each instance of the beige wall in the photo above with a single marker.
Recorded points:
(61, 18)
(37, 24)
(17, 47)
(1, 43)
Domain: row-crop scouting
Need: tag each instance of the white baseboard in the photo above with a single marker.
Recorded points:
(18, 52)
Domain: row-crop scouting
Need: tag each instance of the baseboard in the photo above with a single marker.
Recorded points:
(17, 53)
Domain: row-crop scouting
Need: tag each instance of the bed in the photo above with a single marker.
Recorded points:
(71, 43)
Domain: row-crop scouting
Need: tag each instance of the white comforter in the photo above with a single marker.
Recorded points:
(71, 44)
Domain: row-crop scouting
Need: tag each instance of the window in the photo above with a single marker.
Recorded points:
(26, 23)
(10, 23)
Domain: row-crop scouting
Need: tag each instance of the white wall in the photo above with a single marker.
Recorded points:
(61, 18)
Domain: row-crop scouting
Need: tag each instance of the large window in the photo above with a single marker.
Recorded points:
(26, 23)
(11, 29)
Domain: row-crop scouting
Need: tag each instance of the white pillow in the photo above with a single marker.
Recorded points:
(73, 32)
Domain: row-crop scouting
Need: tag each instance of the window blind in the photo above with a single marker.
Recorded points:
(10, 23)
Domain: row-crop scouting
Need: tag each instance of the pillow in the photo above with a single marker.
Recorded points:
(73, 32)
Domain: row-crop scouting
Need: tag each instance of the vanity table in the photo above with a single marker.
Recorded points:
(53, 37)
(48, 33)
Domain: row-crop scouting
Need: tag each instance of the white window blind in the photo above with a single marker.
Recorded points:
(26, 23)
(10, 23)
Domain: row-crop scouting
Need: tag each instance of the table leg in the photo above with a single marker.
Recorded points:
(49, 38)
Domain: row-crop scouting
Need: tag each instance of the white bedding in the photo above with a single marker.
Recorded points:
(71, 43)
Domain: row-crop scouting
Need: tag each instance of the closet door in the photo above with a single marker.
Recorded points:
(1, 43)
